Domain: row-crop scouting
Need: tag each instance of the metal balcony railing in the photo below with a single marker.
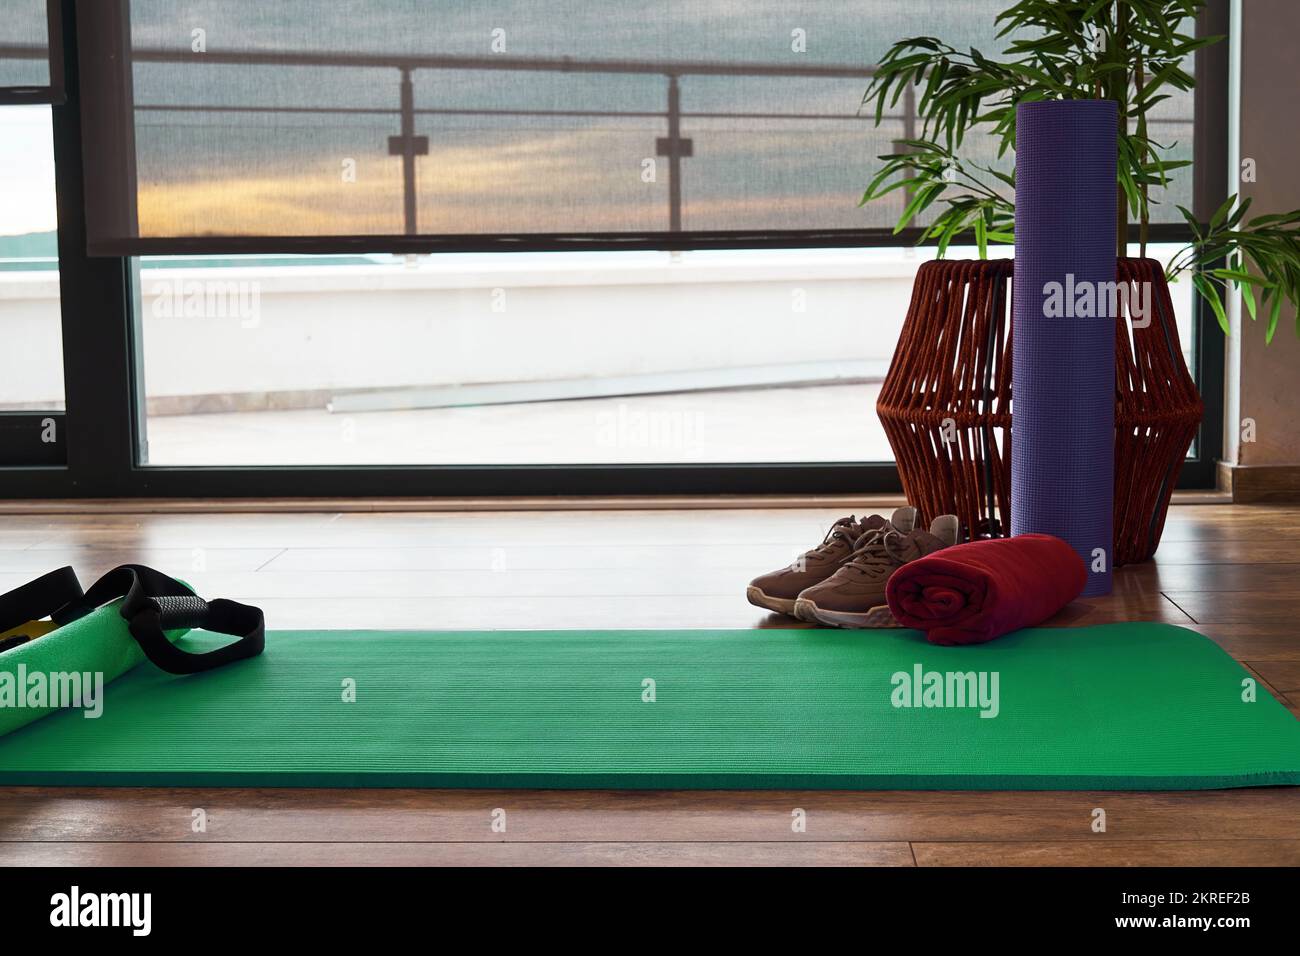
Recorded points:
(409, 144)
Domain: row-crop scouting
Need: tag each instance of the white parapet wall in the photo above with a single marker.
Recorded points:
(317, 330)
(31, 341)
(455, 320)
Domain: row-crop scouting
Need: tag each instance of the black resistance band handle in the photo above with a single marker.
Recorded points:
(153, 603)
(224, 617)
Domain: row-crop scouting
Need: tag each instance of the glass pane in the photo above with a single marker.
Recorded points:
(31, 377)
(545, 358)
(521, 358)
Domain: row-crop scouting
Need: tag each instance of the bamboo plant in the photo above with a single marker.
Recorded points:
(1129, 51)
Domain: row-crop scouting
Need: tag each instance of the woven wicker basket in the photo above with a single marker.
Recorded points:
(946, 403)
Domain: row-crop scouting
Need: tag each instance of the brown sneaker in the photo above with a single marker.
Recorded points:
(777, 590)
(854, 596)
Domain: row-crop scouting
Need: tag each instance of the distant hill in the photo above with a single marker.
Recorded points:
(45, 246)
(32, 245)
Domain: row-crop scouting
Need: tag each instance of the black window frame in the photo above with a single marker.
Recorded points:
(103, 427)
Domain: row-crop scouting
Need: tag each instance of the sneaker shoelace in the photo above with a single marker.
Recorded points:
(881, 554)
(840, 531)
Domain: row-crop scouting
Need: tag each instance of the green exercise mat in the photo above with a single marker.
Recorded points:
(1122, 706)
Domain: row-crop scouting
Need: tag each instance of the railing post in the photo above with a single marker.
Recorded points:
(909, 112)
(909, 131)
(909, 120)
(408, 146)
(674, 146)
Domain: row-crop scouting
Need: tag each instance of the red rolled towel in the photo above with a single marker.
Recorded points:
(971, 593)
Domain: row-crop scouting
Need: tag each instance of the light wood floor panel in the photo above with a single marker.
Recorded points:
(1204, 853)
(164, 815)
(457, 854)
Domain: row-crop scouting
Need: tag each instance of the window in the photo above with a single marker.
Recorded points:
(504, 249)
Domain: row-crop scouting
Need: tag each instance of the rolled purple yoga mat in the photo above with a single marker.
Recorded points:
(1063, 345)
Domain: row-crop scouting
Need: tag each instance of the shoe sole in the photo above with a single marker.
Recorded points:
(876, 617)
(757, 598)
(805, 611)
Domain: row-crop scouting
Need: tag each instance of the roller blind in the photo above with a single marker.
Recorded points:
(30, 70)
(330, 125)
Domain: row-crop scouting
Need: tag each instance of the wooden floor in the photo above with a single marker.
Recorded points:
(1231, 572)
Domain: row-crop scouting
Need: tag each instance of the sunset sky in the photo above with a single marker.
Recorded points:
(26, 171)
(280, 173)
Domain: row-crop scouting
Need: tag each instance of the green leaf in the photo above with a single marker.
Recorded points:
(876, 183)
(1248, 296)
(1211, 295)
(1221, 213)
(1155, 82)
(946, 237)
(917, 202)
(1237, 214)
(1275, 219)
(1237, 275)
(1191, 220)
(1273, 315)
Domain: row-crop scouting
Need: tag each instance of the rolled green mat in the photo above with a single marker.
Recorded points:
(68, 667)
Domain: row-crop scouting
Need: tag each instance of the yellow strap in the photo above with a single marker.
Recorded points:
(31, 629)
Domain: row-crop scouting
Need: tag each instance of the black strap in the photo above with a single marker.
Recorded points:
(50, 595)
(152, 603)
